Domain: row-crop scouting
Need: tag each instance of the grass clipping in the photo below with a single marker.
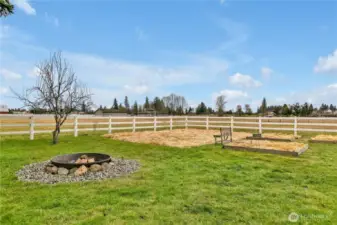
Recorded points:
(177, 138)
(272, 145)
(325, 137)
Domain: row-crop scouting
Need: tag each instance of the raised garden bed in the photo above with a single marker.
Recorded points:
(324, 138)
(292, 149)
(273, 137)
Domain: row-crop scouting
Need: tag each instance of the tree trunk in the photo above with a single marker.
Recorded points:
(56, 133)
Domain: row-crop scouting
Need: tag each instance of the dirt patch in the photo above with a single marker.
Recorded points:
(272, 145)
(176, 138)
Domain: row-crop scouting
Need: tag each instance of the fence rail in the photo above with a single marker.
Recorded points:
(79, 123)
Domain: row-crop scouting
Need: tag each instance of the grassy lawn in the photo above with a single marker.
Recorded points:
(202, 185)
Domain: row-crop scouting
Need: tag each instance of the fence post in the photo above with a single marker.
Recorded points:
(171, 122)
(31, 130)
(110, 128)
(134, 124)
(260, 125)
(207, 122)
(75, 126)
(155, 123)
(232, 124)
(186, 125)
(295, 126)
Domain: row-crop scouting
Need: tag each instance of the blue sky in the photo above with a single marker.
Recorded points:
(282, 50)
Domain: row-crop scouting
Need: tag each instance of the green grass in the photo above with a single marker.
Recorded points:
(203, 185)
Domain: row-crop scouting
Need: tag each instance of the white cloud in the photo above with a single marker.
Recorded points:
(25, 6)
(119, 73)
(266, 72)
(9, 75)
(244, 80)
(3, 90)
(51, 19)
(332, 86)
(327, 64)
(317, 96)
(233, 98)
(141, 35)
(222, 2)
(138, 89)
(34, 72)
(233, 94)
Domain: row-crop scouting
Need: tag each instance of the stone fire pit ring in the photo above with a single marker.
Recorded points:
(68, 161)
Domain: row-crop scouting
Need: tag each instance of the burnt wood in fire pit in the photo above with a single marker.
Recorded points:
(68, 161)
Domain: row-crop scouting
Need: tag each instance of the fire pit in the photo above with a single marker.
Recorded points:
(80, 159)
(77, 168)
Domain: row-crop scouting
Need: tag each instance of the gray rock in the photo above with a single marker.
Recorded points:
(37, 172)
(106, 166)
(72, 170)
(95, 168)
(62, 171)
(51, 169)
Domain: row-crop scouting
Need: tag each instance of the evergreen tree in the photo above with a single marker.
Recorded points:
(310, 110)
(305, 109)
(135, 108)
(190, 109)
(158, 104)
(201, 109)
(324, 107)
(147, 103)
(115, 104)
(263, 108)
(297, 109)
(285, 110)
(126, 103)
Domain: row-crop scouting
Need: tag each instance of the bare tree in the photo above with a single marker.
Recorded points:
(248, 109)
(57, 89)
(175, 102)
(220, 104)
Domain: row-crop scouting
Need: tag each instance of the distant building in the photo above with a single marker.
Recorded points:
(4, 109)
(270, 114)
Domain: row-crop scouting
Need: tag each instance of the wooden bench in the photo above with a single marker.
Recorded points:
(224, 136)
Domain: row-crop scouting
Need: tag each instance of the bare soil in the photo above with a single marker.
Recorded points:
(176, 138)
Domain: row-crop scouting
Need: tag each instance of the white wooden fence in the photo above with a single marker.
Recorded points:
(259, 124)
